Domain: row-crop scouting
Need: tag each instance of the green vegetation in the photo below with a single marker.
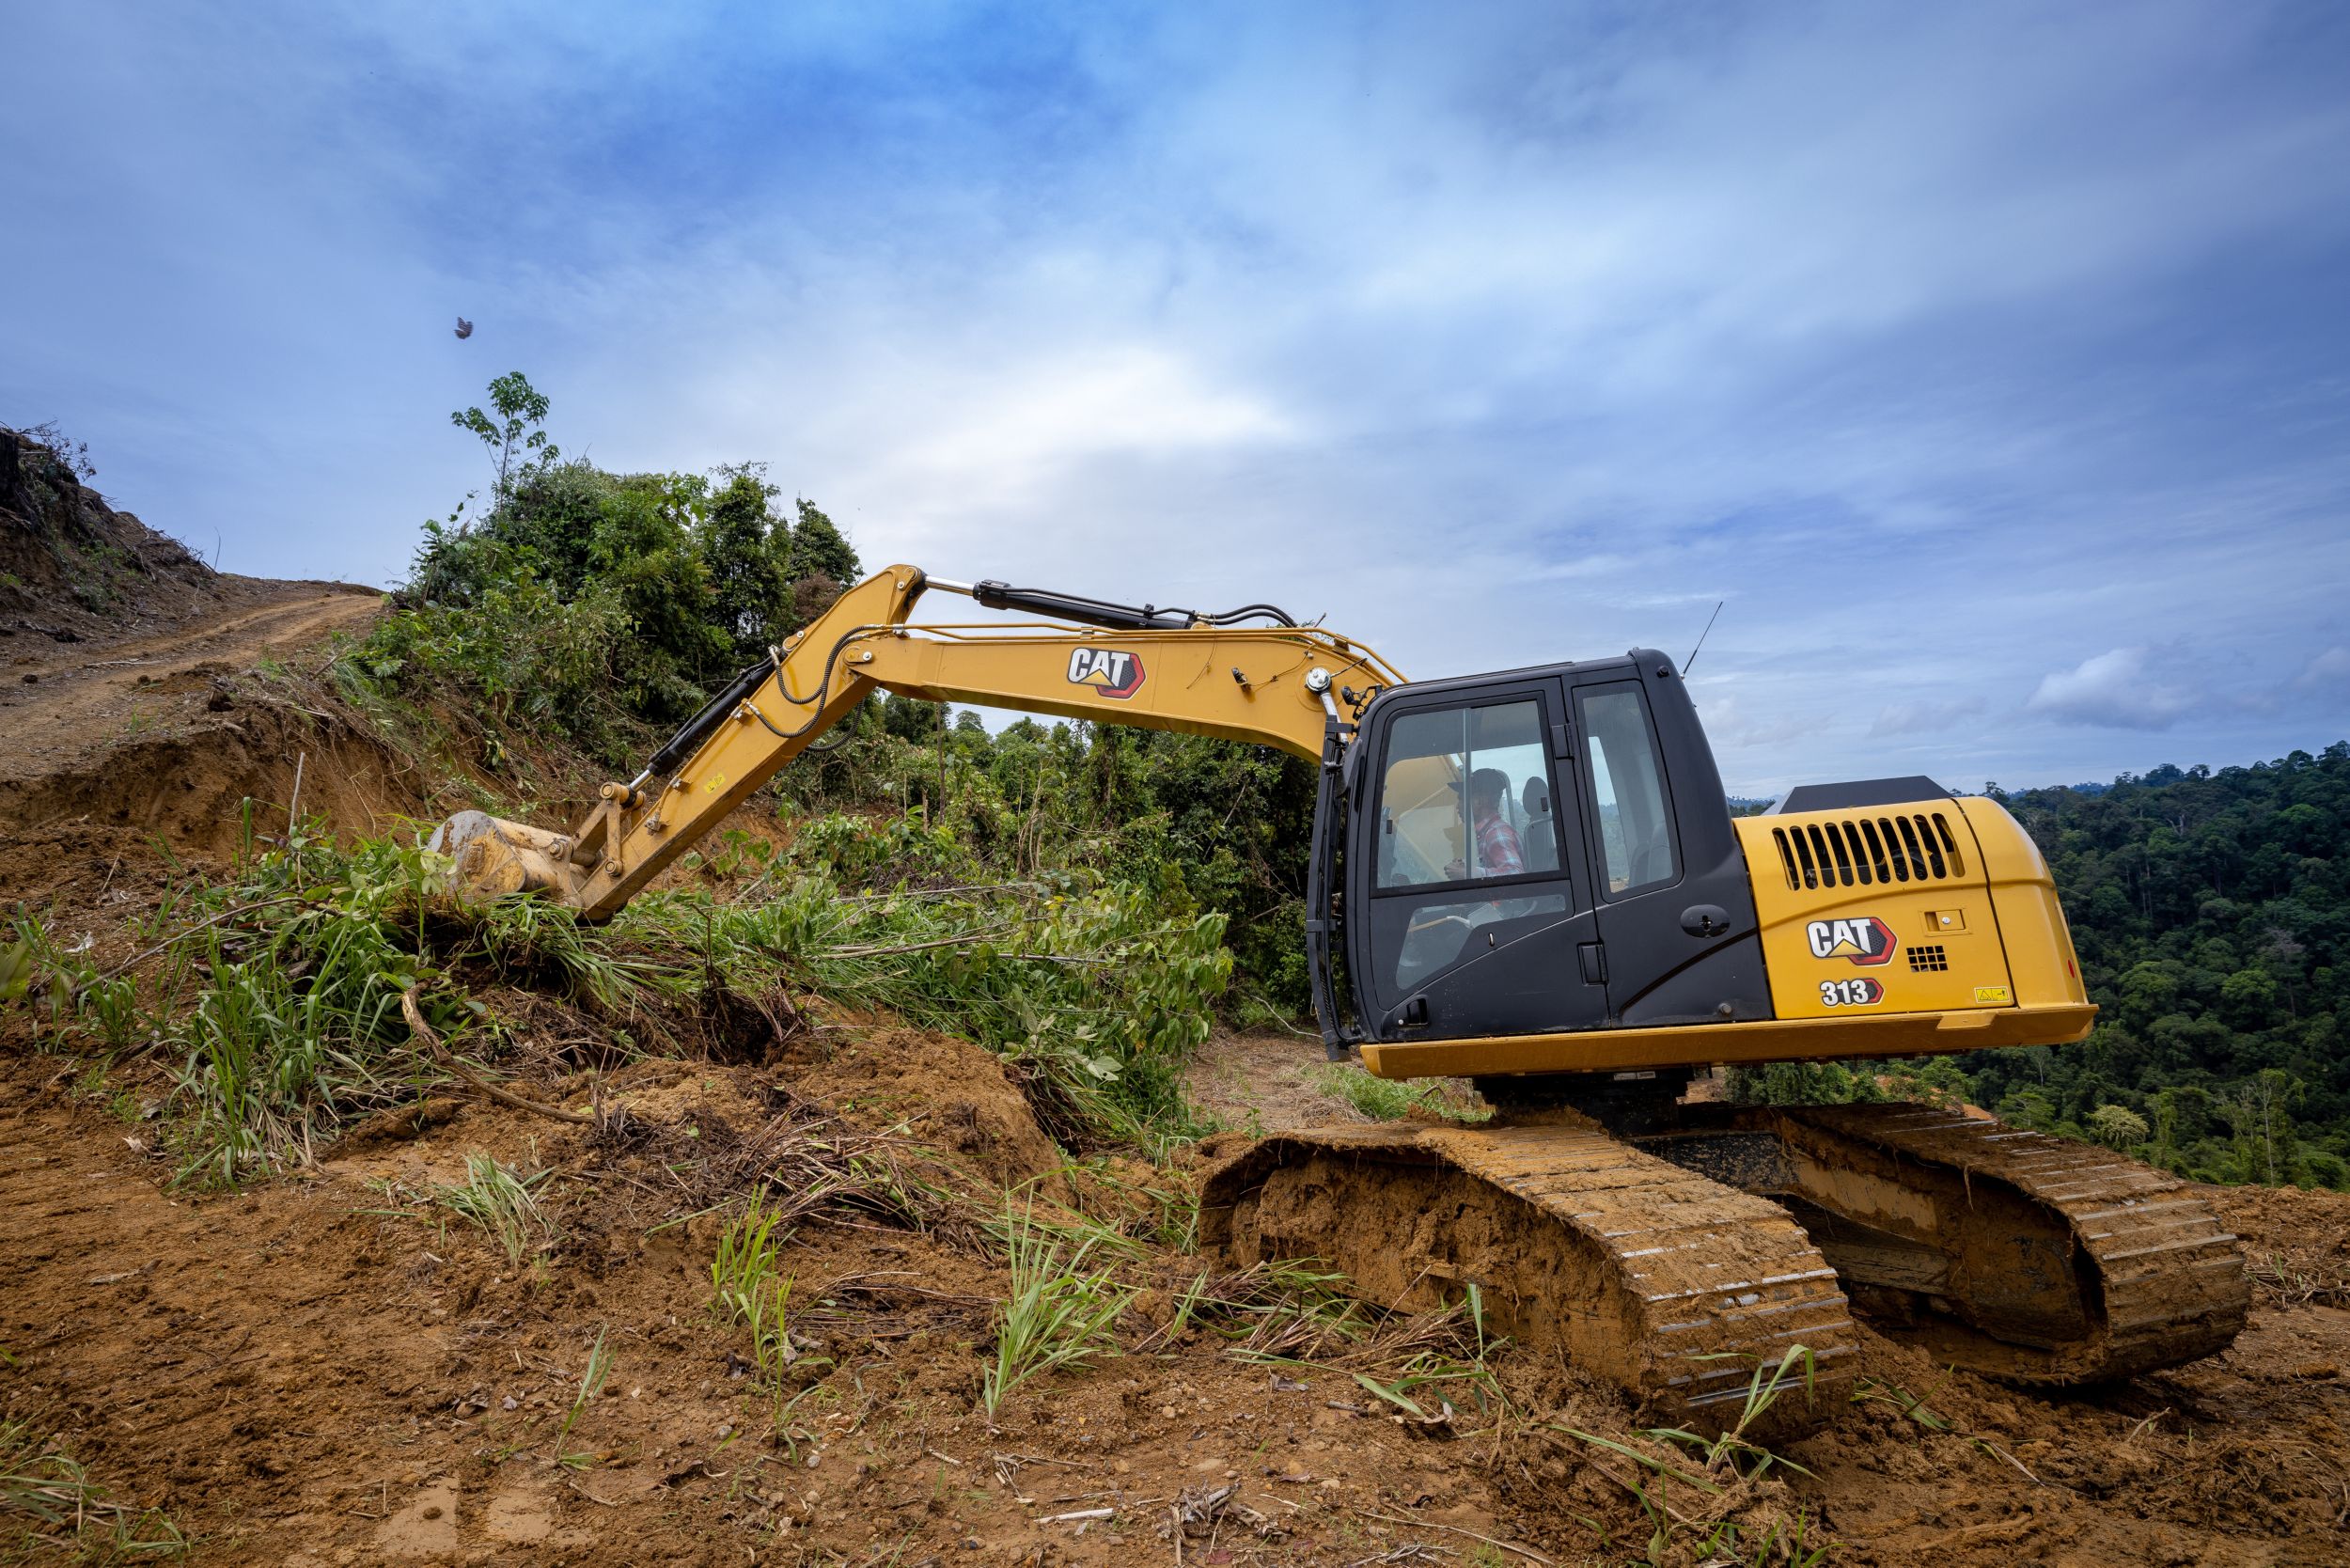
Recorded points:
(274, 993)
(1060, 1311)
(747, 1287)
(602, 609)
(1712, 1466)
(590, 1384)
(596, 608)
(50, 1505)
(2212, 915)
(1388, 1100)
(502, 1204)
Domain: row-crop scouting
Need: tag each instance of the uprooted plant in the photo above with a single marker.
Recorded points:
(1914, 1408)
(502, 1203)
(1718, 1472)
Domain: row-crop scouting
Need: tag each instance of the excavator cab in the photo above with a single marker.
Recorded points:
(1543, 850)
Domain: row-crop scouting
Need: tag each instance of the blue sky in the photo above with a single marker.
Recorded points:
(1991, 363)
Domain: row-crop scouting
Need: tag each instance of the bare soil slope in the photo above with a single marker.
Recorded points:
(335, 1369)
(133, 714)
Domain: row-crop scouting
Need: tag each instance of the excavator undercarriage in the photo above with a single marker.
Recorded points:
(1687, 1245)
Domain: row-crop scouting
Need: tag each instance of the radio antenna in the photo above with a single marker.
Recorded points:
(1702, 635)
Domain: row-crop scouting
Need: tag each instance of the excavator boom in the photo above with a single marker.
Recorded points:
(1164, 672)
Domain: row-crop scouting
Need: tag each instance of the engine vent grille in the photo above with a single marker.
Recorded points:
(1860, 852)
(1931, 957)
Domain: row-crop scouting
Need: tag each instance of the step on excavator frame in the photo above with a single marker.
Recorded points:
(1677, 1261)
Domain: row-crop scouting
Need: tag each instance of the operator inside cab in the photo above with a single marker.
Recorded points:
(1499, 849)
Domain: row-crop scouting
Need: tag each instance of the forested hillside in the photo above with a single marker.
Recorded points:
(2210, 910)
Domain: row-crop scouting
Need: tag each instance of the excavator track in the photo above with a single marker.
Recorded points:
(1673, 1285)
(2032, 1258)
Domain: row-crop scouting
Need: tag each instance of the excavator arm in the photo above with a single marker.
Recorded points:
(1158, 670)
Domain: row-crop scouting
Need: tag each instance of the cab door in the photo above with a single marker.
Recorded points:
(1678, 940)
(1468, 898)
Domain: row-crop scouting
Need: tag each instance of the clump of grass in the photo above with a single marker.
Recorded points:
(1060, 1312)
(745, 1258)
(49, 1501)
(748, 1287)
(503, 1205)
(1165, 1214)
(1289, 1308)
(590, 1384)
(2290, 1280)
(1296, 1312)
(1730, 1451)
(1731, 1448)
(1388, 1100)
(1716, 1465)
(1079, 1234)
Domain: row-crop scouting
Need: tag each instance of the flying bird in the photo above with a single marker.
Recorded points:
(465, 327)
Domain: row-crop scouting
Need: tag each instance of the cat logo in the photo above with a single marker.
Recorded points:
(1109, 672)
(1867, 941)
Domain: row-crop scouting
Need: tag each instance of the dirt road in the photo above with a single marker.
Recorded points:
(63, 703)
(127, 758)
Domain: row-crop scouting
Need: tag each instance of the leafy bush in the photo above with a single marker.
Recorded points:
(597, 606)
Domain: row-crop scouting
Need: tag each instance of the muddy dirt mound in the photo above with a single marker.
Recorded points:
(72, 566)
(956, 1094)
(146, 697)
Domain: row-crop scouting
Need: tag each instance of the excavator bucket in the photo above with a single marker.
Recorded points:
(495, 856)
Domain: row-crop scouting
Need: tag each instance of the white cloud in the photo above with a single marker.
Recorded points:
(1732, 726)
(2113, 689)
(1916, 717)
(2328, 671)
(1011, 430)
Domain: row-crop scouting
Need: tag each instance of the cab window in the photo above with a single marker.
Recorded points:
(1628, 798)
(1465, 795)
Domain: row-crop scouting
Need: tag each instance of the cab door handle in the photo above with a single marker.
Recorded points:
(1595, 958)
(1705, 919)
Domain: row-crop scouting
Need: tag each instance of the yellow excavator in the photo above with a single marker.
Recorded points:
(1533, 880)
